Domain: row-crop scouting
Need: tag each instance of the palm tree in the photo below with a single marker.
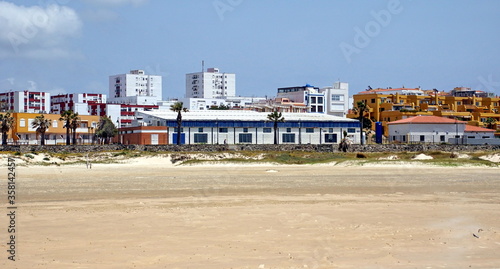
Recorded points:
(275, 117)
(361, 108)
(75, 122)
(67, 117)
(7, 123)
(178, 107)
(41, 124)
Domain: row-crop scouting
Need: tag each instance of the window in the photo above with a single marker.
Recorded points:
(200, 138)
(320, 109)
(288, 138)
(22, 123)
(200, 130)
(373, 101)
(266, 130)
(222, 130)
(310, 130)
(336, 97)
(313, 100)
(422, 138)
(330, 138)
(288, 130)
(245, 130)
(351, 130)
(393, 138)
(245, 138)
(176, 130)
(330, 130)
(320, 100)
(441, 138)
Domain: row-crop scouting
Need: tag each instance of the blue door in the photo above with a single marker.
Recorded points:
(174, 138)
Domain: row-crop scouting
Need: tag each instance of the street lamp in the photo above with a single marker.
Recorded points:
(300, 133)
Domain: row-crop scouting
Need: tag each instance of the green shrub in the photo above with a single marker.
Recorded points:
(29, 156)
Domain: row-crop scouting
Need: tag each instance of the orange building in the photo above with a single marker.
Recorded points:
(387, 105)
(23, 133)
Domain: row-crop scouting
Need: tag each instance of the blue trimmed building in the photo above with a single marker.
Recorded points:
(250, 127)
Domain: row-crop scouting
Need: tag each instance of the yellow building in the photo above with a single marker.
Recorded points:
(387, 105)
(23, 133)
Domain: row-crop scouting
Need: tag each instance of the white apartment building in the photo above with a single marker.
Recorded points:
(135, 88)
(337, 99)
(308, 95)
(25, 101)
(329, 100)
(210, 84)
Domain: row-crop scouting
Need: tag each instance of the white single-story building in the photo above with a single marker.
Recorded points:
(250, 127)
(433, 129)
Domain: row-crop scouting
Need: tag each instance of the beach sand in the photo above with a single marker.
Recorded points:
(149, 213)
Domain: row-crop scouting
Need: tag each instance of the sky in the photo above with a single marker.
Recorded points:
(71, 46)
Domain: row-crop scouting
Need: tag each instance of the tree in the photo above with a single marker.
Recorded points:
(106, 129)
(361, 108)
(490, 122)
(74, 123)
(275, 117)
(67, 116)
(7, 123)
(41, 124)
(179, 108)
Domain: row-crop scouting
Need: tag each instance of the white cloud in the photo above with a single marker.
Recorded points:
(116, 2)
(37, 32)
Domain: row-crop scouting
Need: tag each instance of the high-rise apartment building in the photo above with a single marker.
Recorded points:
(210, 84)
(135, 88)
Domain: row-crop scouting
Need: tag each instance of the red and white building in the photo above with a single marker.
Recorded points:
(77, 102)
(26, 101)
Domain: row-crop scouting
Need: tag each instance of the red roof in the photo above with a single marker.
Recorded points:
(470, 128)
(427, 120)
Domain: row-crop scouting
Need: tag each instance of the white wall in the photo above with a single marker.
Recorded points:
(432, 133)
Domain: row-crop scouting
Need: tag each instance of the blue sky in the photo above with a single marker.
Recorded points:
(65, 46)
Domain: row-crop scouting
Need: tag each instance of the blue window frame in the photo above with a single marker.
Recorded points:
(200, 138)
(245, 138)
(288, 138)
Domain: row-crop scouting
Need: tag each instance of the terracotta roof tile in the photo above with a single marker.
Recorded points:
(470, 128)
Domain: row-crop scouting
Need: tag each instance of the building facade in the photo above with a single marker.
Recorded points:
(135, 88)
(25, 101)
(22, 131)
(210, 84)
(337, 99)
(250, 127)
(388, 105)
(77, 102)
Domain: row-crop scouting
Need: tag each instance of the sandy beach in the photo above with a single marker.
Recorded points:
(149, 213)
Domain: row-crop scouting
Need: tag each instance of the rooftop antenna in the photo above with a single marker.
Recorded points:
(202, 66)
